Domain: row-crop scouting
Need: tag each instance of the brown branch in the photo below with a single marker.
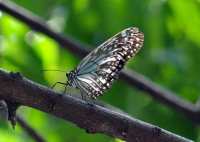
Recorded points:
(29, 130)
(135, 79)
(91, 117)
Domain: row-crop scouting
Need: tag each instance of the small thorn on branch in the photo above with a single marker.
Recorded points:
(3, 110)
(12, 108)
(16, 75)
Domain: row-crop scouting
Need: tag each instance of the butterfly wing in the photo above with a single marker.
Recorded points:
(101, 67)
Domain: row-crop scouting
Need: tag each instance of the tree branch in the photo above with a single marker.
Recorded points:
(30, 131)
(92, 118)
(132, 78)
(164, 96)
(37, 24)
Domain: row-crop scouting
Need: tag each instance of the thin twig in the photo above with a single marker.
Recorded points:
(29, 130)
(135, 79)
(91, 117)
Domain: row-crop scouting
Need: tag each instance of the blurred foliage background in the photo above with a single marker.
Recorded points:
(170, 57)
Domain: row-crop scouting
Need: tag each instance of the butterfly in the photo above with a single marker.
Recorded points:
(97, 71)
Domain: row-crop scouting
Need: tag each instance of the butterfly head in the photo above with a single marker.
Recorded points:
(67, 75)
(70, 76)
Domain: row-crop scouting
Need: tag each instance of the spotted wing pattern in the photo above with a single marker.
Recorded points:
(101, 67)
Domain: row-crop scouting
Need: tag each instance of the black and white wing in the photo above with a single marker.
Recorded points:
(101, 67)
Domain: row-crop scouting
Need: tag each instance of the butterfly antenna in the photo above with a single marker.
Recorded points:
(55, 70)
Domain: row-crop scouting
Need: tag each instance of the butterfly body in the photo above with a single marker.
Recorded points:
(97, 71)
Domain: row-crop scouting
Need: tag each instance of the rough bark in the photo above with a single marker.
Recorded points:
(93, 118)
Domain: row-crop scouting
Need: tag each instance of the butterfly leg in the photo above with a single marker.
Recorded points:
(58, 83)
(83, 96)
(65, 84)
(64, 91)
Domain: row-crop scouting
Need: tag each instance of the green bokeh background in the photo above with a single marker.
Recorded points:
(170, 57)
